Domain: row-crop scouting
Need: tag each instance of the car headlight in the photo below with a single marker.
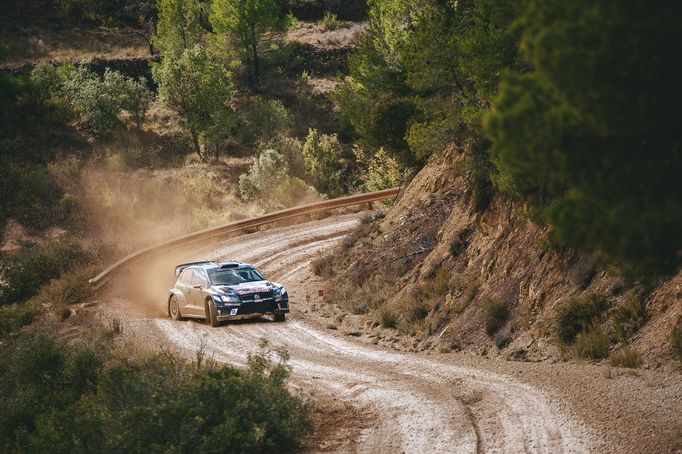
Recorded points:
(280, 293)
(229, 299)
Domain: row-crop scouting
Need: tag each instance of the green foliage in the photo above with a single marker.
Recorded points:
(577, 315)
(178, 27)
(330, 21)
(627, 318)
(82, 396)
(252, 25)
(592, 342)
(591, 134)
(379, 171)
(322, 156)
(416, 89)
(97, 100)
(23, 273)
(263, 119)
(268, 183)
(128, 94)
(197, 86)
(676, 338)
(15, 316)
(626, 357)
(496, 314)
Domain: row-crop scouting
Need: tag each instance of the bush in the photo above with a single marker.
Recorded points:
(322, 159)
(626, 357)
(592, 342)
(676, 338)
(15, 316)
(330, 22)
(98, 100)
(268, 183)
(82, 396)
(576, 315)
(383, 172)
(627, 318)
(23, 273)
(264, 119)
(495, 315)
(388, 317)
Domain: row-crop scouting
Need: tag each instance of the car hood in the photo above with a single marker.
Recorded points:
(248, 287)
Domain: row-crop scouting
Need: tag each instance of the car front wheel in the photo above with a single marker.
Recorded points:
(174, 308)
(280, 317)
(211, 313)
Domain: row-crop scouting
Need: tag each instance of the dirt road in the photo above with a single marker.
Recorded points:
(421, 402)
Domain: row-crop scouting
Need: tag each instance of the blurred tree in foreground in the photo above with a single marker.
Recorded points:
(592, 135)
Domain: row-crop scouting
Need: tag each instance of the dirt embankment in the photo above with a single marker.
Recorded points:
(498, 255)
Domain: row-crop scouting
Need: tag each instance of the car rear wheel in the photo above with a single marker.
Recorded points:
(174, 308)
(211, 313)
(280, 317)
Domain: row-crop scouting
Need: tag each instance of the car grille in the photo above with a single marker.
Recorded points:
(249, 298)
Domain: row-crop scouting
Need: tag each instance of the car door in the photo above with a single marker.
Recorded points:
(196, 296)
(184, 284)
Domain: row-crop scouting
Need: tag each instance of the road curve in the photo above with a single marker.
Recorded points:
(424, 405)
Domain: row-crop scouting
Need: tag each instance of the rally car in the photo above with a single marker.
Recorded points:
(218, 291)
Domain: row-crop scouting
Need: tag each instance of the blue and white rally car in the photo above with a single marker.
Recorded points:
(218, 291)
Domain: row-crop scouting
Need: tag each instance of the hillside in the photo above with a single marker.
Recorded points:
(439, 265)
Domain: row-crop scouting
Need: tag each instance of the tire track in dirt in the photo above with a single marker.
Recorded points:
(425, 405)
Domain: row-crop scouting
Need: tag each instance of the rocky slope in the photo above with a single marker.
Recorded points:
(442, 266)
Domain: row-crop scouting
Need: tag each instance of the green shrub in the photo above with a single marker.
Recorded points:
(322, 155)
(388, 317)
(98, 100)
(626, 357)
(23, 273)
(15, 316)
(496, 314)
(83, 396)
(627, 318)
(592, 342)
(268, 183)
(264, 119)
(576, 315)
(330, 21)
(383, 172)
(676, 338)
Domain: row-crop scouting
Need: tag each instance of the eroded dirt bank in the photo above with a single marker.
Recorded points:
(389, 401)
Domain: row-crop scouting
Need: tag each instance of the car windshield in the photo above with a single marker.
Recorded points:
(234, 276)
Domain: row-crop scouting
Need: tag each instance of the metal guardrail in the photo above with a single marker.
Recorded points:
(217, 232)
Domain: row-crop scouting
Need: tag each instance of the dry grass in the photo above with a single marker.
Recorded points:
(626, 357)
(676, 338)
(592, 343)
(388, 317)
(496, 314)
(323, 266)
(627, 318)
(34, 43)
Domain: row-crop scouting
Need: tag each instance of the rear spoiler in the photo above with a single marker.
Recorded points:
(182, 266)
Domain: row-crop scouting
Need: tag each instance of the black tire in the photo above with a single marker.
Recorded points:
(174, 309)
(211, 313)
(280, 317)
